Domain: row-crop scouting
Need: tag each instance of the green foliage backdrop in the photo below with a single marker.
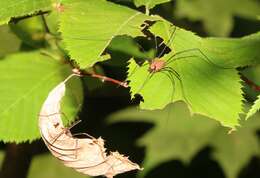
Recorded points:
(212, 87)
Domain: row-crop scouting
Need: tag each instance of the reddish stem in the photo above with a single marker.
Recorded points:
(250, 83)
(102, 77)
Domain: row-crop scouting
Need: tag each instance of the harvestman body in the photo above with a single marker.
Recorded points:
(157, 64)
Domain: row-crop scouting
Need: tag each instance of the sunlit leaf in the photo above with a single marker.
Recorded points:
(127, 45)
(149, 3)
(9, 43)
(208, 84)
(30, 31)
(254, 108)
(88, 27)
(18, 8)
(24, 87)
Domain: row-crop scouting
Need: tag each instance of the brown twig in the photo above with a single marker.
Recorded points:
(102, 77)
(250, 83)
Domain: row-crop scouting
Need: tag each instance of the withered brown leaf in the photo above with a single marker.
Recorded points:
(85, 155)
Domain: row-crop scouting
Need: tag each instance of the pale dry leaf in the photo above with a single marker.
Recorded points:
(86, 155)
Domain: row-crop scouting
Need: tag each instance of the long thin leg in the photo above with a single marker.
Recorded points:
(171, 77)
(54, 148)
(65, 130)
(169, 41)
(172, 59)
(72, 155)
(172, 81)
(172, 70)
(156, 45)
(76, 150)
(85, 134)
(132, 72)
(85, 167)
(58, 148)
(175, 73)
(204, 57)
(149, 76)
(62, 132)
(53, 114)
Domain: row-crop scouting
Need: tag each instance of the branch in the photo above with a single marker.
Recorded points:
(250, 83)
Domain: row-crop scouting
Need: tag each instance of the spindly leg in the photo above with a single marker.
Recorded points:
(199, 54)
(148, 77)
(58, 148)
(176, 74)
(175, 58)
(171, 78)
(168, 43)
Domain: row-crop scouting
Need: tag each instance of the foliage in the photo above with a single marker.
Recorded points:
(225, 11)
(45, 39)
(52, 168)
(17, 8)
(180, 136)
(8, 41)
(29, 78)
(92, 19)
(197, 70)
(254, 108)
(149, 3)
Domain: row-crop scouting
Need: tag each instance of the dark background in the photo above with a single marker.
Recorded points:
(34, 161)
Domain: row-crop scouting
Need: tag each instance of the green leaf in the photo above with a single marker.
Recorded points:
(149, 4)
(175, 134)
(52, 168)
(26, 80)
(18, 8)
(254, 108)
(30, 31)
(234, 151)
(208, 11)
(207, 87)
(9, 43)
(251, 82)
(127, 45)
(178, 136)
(234, 52)
(88, 27)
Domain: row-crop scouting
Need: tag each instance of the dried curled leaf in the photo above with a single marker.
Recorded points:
(85, 155)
